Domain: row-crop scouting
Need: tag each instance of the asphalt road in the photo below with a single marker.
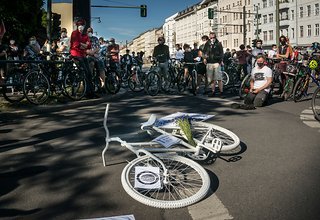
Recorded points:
(51, 166)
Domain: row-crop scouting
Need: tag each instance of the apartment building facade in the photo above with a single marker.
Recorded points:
(232, 15)
(299, 20)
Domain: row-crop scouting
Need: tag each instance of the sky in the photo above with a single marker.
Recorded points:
(126, 24)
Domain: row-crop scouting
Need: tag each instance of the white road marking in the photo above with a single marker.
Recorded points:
(210, 208)
(308, 119)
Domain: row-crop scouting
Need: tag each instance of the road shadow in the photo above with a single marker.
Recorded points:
(214, 183)
(10, 180)
(17, 212)
(233, 155)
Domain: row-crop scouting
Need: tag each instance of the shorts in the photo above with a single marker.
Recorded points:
(213, 72)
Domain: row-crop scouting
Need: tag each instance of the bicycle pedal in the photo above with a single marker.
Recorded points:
(216, 145)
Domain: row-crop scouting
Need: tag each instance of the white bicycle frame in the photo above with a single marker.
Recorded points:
(138, 147)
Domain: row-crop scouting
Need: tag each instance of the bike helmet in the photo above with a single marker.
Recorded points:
(313, 64)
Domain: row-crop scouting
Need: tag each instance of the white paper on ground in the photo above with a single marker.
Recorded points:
(166, 140)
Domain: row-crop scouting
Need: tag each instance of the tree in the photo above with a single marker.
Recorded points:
(22, 20)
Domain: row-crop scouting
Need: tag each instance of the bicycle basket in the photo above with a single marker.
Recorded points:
(313, 64)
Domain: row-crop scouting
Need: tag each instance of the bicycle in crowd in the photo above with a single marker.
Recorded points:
(163, 175)
(149, 81)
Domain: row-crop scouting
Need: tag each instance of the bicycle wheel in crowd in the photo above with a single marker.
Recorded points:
(75, 85)
(316, 104)
(180, 82)
(225, 78)
(185, 183)
(13, 92)
(112, 82)
(152, 83)
(287, 90)
(165, 82)
(300, 88)
(135, 82)
(194, 83)
(245, 86)
(36, 87)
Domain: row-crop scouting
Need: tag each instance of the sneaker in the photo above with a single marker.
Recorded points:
(211, 94)
(221, 95)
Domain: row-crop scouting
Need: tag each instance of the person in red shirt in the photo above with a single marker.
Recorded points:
(79, 44)
(113, 52)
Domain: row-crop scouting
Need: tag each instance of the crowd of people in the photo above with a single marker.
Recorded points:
(249, 60)
(85, 48)
(92, 52)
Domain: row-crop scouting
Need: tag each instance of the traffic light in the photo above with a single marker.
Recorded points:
(210, 13)
(143, 10)
(56, 22)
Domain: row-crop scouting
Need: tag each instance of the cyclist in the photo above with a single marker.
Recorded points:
(242, 56)
(179, 52)
(261, 79)
(113, 53)
(213, 55)
(284, 53)
(256, 51)
(161, 53)
(126, 62)
(32, 50)
(3, 56)
(64, 42)
(273, 52)
(79, 44)
(188, 58)
(204, 40)
(94, 58)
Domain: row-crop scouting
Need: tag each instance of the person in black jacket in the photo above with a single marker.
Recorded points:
(161, 53)
(213, 55)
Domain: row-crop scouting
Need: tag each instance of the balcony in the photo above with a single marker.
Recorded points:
(284, 4)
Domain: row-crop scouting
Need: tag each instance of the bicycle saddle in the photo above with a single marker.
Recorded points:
(152, 119)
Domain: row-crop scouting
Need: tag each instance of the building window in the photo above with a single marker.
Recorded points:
(235, 42)
(271, 35)
(309, 10)
(292, 29)
(265, 19)
(301, 12)
(301, 31)
(270, 18)
(292, 14)
(248, 2)
(309, 30)
(316, 9)
(270, 3)
(264, 4)
(316, 30)
(265, 36)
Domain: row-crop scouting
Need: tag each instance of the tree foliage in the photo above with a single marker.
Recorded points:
(23, 19)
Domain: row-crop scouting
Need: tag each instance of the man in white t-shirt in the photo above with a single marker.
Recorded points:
(261, 79)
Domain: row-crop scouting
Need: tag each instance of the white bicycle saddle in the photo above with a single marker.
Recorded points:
(152, 119)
